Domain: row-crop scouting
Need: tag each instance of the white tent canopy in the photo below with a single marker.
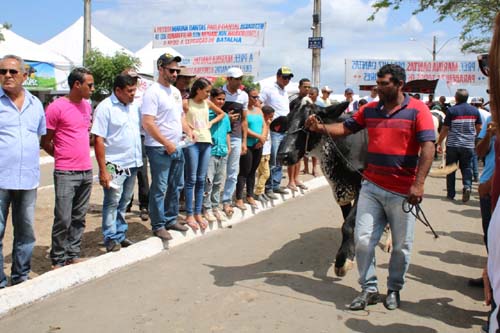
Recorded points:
(148, 56)
(69, 43)
(28, 50)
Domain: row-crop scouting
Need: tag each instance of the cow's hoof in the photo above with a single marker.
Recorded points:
(342, 271)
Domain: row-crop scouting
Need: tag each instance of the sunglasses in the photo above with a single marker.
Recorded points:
(173, 70)
(255, 97)
(90, 85)
(286, 77)
(4, 71)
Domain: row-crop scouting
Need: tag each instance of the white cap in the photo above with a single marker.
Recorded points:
(234, 72)
(327, 89)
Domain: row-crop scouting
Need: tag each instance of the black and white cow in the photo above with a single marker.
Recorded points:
(342, 172)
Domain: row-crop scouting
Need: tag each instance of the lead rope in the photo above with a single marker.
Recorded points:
(406, 206)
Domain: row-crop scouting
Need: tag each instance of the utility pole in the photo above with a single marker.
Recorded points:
(86, 29)
(434, 43)
(316, 52)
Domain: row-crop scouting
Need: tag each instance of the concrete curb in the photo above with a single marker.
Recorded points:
(77, 274)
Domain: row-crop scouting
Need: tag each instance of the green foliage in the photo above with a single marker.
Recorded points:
(247, 82)
(476, 16)
(105, 69)
(6, 25)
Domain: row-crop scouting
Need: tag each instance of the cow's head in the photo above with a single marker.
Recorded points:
(293, 147)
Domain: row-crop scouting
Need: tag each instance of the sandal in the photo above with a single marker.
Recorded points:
(191, 222)
(302, 186)
(239, 204)
(292, 187)
(201, 221)
(228, 210)
(251, 201)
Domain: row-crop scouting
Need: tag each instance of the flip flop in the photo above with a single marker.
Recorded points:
(191, 222)
(302, 186)
(241, 205)
(201, 221)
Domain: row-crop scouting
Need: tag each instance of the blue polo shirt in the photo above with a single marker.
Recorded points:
(219, 133)
(462, 120)
(19, 142)
(120, 126)
(489, 159)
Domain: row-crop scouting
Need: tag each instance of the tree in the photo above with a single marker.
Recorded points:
(247, 82)
(477, 17)
(4, 26)
(105, 69)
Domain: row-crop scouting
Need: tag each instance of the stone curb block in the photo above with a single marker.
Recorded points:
(77, 274)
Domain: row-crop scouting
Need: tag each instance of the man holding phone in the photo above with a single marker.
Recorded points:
(237, 107)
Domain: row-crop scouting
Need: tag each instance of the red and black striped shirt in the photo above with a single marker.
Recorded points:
(393, 141)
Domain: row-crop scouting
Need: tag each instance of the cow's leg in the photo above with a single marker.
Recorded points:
(345, 255)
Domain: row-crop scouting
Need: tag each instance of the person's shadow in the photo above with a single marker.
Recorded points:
(314, 251)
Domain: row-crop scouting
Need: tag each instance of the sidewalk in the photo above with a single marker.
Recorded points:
(44, 282)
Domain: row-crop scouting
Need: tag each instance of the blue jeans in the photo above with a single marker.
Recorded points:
(376, 208)
(215, 178)
(114, 206)
(273, 183)
(166, 175)
(233, 168)
(197, 157)
(23, 216)
(72, 189)
(464, 158)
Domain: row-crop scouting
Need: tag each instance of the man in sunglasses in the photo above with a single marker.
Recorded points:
(163, 122)
(117, 130)
(276, 97)
(22, 120)
(67, 139)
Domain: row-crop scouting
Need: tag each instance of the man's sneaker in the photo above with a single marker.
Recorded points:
(466, 195)
(261, 197)
(163, 234)
(392, 301)
(177, 227)
(144, 214)
(280, 191)
(113, 246)
(126, 242)
(364, 299)
(271, 196)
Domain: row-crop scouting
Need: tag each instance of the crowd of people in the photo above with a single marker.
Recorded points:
(215, 149)
(209, 149)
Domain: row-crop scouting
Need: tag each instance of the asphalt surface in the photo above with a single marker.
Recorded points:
(273, 273)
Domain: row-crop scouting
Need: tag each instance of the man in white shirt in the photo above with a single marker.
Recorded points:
(163, 122)
(237, 108)
(276, 97)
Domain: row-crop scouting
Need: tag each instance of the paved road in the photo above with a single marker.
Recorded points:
(273, 274)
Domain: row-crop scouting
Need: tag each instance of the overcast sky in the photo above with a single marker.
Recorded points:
(346, 31)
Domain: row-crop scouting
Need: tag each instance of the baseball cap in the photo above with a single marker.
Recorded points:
(186, 72)
(166, 59)
(130, 72)
(284, 71)
(234, 72)
(348, 91)
(327, 89)
(475, 100)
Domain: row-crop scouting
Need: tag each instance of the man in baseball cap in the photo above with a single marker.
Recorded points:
(166, 59)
